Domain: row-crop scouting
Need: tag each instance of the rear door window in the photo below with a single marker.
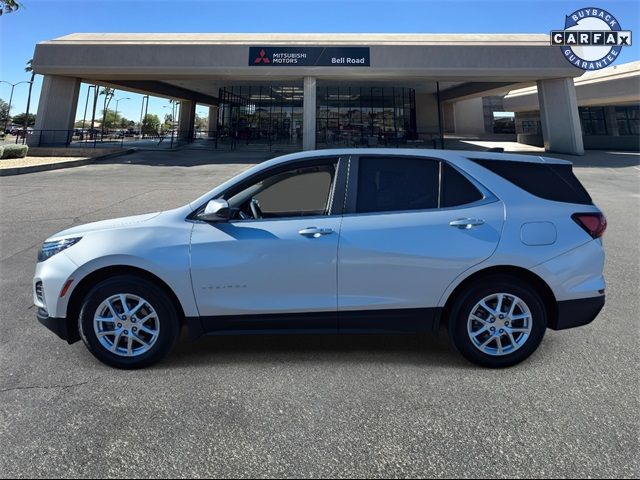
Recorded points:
(394, 184)
(397, 184)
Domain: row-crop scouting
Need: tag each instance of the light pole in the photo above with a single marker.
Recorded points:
(144, 99)
(201, 115)
(124, 98)
(86, 104)
(172, 106)
(13, 85)
(116, 118)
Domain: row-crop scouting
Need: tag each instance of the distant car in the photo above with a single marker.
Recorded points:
(22, 132)
(496, 247)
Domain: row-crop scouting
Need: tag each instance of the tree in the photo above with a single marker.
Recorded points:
(4, 112)
(110, 119)
(150, 124)
(29, 69)
(168, 122)
(201, 123)
(8, 6)
(21, 119)
(108, 95)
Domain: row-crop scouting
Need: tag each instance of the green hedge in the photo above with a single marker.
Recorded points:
(14, 151)
(1, 150)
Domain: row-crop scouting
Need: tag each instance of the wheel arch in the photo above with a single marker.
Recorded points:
(543, 289)
(80, 291)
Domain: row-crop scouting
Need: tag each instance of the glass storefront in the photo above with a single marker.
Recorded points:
(257, 114)
(345, 116)
(628, 118)
(356, 116)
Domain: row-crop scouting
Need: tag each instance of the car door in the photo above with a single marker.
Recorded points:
(277, 271)
(411, 226)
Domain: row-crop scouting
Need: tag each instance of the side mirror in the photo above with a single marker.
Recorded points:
(216, 211)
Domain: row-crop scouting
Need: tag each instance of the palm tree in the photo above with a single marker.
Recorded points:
(29, 69)
(108, 95)
(8, 6)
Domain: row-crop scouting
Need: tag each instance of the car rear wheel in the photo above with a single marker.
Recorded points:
(128, 322)
(498, 322)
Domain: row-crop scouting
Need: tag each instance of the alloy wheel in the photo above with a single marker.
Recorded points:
(499, 324)
(126, 325)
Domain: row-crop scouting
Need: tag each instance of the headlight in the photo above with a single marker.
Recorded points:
(49, 249)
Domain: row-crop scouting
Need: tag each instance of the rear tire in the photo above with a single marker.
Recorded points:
(498, 322)
(128, 322)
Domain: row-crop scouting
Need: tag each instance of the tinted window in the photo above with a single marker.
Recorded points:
(549, 181)
(396, 184)
(296, 193)
(456, 189)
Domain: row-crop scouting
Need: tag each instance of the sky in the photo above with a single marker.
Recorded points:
(41, 20)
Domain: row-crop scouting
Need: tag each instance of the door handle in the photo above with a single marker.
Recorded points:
(315, 232)
(466, 223)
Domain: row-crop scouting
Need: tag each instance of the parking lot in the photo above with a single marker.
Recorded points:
(295, 406)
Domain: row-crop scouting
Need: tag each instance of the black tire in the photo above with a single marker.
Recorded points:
(155, 296)
(467, 300)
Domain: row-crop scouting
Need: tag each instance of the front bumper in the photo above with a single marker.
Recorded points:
(64, 328)
(576, 313)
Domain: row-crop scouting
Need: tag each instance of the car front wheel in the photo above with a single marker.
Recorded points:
(498, 322)
(128, 322)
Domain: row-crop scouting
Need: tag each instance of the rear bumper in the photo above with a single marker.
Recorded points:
(64, 328)
(576, 313)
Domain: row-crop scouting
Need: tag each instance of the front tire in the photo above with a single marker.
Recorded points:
(498, 322)
(128, 322)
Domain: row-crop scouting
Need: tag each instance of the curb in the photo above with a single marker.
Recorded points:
(5, 172)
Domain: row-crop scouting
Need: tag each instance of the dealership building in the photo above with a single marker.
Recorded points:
(318, 90)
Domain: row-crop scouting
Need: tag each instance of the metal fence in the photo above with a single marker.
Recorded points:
(96, 139)
(222, 140)
(270, 142)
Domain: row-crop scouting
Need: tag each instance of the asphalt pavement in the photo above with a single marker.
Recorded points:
(307, 406)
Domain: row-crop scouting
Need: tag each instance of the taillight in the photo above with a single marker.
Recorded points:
(593, 223)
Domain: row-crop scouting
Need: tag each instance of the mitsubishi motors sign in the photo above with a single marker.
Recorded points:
(309, 56)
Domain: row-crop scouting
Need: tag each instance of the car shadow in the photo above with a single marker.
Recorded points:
(420, 350)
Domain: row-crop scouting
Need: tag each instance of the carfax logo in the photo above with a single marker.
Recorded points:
(592, 38)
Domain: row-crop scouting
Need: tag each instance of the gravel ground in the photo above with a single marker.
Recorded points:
(32, 161)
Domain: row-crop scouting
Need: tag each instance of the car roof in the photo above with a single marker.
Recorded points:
(449, 155)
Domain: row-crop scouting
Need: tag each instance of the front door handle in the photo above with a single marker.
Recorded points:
(466, 223)
(315, 232)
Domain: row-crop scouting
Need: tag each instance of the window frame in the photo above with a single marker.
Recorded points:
(336, 194)
(352, 186)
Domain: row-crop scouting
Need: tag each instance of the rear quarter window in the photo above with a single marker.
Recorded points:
(554, 182)
(456, 190)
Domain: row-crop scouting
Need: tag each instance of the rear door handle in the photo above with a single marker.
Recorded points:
(466, 223)
(315, 232)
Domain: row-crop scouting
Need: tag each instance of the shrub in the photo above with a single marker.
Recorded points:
(1, 150)
(15, 151)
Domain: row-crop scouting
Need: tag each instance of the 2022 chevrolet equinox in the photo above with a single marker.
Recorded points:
(496, 247)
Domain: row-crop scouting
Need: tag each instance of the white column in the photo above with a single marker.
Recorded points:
(559, 116)
(187, 120)
(56, 111)
(309, 114)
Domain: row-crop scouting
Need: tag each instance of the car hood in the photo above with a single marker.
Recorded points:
(104, 225)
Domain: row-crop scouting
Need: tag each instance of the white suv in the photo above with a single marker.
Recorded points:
(496, 247)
